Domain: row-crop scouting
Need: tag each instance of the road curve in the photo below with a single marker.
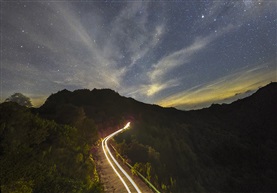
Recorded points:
(115, 165)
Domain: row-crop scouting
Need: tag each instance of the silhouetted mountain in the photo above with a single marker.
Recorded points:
(102, 105)
(224, 148)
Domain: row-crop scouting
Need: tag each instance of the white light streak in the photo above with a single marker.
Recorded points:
(127, 125)
(105, 147)
(124, 183)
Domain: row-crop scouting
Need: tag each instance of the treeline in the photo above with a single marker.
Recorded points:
(201, 157)
(224, 148)
(39, 155)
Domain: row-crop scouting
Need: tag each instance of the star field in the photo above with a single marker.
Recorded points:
(186, 54)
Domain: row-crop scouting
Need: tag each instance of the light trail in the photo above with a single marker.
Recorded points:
(124, 183)
(105, 147)
(127, 125)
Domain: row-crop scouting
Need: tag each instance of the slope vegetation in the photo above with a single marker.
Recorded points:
(226, 148)
(39, 155)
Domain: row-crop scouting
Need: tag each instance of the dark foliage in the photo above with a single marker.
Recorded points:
(20, 99)
(38, 155)
(224, 148)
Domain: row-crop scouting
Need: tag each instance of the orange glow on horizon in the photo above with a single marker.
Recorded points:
(222, 89)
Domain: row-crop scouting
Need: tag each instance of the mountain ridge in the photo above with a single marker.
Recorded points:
(110, 92)
(223, 148)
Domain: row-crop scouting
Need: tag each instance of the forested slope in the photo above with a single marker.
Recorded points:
(224, 148)
(38, 155)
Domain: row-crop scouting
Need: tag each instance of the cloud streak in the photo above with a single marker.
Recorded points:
(146, 50)
(178, 58)
(91, 60)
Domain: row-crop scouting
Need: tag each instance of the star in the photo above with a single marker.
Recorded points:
(161, 53)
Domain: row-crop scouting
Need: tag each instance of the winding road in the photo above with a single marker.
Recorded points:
(114, 174)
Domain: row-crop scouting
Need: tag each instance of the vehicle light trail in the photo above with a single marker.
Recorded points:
(106, 149)
(124, 183)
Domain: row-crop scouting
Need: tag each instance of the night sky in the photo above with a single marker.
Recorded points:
(187, 54)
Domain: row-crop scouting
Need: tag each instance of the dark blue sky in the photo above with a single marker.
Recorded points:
(186, 54)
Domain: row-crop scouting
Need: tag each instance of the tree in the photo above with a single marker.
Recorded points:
(20, 99)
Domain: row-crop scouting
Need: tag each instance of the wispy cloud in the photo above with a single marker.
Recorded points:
(79, 56)
(152, 89)
(178, 58)
(90, 59)
(146, 50)
(132, 33)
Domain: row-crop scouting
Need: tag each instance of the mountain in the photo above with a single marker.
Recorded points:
(224, 148)
(106, 107)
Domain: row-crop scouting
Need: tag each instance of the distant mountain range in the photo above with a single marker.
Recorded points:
(106, 104)
(223, 148)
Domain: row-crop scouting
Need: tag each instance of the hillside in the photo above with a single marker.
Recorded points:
(226, 148)
(39, 155)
